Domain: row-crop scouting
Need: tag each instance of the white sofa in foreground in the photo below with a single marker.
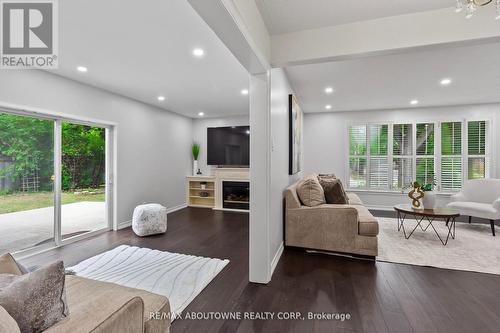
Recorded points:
(479, 198)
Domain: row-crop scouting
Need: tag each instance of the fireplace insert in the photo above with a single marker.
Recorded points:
(236, 195)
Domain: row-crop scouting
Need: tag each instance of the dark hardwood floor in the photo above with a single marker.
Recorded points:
(380, 297)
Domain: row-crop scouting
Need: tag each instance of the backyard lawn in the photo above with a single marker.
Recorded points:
(11, 203)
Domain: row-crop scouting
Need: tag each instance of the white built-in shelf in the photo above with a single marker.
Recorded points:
(194, 199)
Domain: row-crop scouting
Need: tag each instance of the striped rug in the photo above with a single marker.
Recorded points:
(179, 277)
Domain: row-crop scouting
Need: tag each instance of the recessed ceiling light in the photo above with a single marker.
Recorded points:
(201, 114)
(82, 69)
(161, 98)
(328, 107)
(198, 52)
(244, 92)
(328, 90)
(414, 102)
(445, 82)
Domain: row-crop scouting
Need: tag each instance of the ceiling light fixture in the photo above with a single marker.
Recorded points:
(161, 98)
(445, 82)
(414, 102)
(82, 69)
(198, 53)
(328, 107)
(201, 114)
(471, 6)
(244, 91)
(328, 90)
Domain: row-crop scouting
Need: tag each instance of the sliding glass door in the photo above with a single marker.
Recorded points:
(26, 182)
(83, 165)
(52, 181)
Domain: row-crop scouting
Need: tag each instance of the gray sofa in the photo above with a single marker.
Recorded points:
(348, 228)
(99, 307)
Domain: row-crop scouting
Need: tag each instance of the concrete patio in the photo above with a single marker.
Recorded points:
(21, 230)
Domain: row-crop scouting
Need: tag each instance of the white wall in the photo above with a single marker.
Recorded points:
(325, 139)
(200, 135)
(280, 180)
(260, 179)
(153, 155)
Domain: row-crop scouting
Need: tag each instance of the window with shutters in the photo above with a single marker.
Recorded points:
(391, 156)
(476, 150)
(357, 156)
(378, 162)
(424, 164)
(402, 163)
(451, 156)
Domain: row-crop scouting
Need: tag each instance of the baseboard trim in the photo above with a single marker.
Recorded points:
(128, 223)
(124, 225)
(276, 259)
(176, 208)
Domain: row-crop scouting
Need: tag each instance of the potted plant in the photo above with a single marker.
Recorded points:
(195, 150)
(429, 199)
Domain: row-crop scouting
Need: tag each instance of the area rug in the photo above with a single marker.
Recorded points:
(473, 249)
(179, 277)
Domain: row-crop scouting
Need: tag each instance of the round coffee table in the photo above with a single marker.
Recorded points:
(448, 216)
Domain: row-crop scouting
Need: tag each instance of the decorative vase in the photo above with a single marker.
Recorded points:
(195, 167)
(429, 200)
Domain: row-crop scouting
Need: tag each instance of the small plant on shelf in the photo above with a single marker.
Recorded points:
(195, 150)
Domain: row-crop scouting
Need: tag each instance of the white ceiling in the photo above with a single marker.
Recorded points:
(144, 49)
(389, 82)
(282, 16)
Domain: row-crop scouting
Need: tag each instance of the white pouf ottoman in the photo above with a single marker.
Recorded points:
(149, 219)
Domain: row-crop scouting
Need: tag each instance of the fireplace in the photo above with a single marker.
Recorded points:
(236, 195)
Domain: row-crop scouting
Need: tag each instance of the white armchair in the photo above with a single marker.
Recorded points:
(479, 198)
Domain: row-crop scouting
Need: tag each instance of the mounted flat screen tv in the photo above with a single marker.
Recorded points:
(228, 146)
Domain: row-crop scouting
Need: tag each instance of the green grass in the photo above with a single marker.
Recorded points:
(18, 202)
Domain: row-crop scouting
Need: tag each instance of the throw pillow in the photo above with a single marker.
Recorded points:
(35, 300)
(334, 191)
(8, 265)
(310, 192)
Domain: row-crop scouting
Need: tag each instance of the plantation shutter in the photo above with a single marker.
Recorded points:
(357, 156)
(379, 168)
(357, 170)
(451, 173)
(425, 170)
(402, 164)
(403, 140)
(425, 164)
(451, 138)
(402, 172)
(476, 146)
(476, 137)
(425, 139)
(451, 152)
(357, 140)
